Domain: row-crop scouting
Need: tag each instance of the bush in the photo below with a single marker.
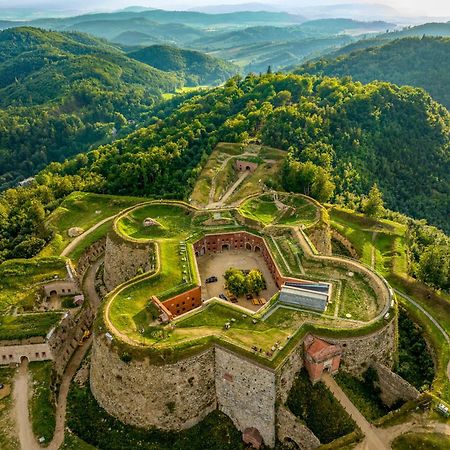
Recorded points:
(317, 407)
(415, 363)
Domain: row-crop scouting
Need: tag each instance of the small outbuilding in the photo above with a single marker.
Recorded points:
(321, 356)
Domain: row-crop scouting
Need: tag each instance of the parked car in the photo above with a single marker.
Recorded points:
(2, 385)
(212, 279)
(223, 297)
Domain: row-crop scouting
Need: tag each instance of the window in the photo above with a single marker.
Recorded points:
(63, 290)
(43, 354)
(37, 354)
(69, 290)
(3, 357)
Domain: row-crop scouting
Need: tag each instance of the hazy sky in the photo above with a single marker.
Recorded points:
(428, 7)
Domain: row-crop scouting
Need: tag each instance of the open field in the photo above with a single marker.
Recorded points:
(421, 441)
(290, 210)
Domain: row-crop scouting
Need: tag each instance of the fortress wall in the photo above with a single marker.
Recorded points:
(288, 371)
(170, 397)
(67, 335)
(125, 259)
(12, 354)
(91, 254)
(246, 392)
(359, 352)
(290, 428)
(214, 243)
(393, 387)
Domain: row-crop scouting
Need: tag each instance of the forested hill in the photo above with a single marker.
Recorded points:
(422, 62)
(61, 93)
(347, 136)
(195, 67)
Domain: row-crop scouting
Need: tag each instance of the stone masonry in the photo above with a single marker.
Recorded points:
(125, 259)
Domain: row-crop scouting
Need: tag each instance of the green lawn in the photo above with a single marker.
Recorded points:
(42, 403)
(421, 441)
(28, 325)
(18, 278)
(83, 210)
(262, 209)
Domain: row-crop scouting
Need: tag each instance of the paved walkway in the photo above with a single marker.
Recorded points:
(372, 440)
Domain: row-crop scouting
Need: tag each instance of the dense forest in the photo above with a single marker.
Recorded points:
(422, 62)
(196, 68)
(341, 138)
(61, 94)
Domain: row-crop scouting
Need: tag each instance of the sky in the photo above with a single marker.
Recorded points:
(428, 7)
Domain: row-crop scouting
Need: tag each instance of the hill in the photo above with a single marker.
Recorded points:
(195, 67)
(341, 138)
(422, 62)
(61, 93)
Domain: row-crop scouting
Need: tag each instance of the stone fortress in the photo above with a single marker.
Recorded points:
(171, 391)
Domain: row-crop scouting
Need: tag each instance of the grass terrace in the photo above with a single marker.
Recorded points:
(272, 334)
(82, 210)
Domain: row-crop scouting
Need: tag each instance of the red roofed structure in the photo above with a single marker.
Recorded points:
(321, 356)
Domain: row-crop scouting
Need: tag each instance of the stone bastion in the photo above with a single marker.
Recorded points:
(173, 393)
(179, 395)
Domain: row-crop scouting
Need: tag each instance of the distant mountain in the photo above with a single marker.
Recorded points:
(422, 62)
(311, 29)
(358, 11)
(197, 68)
(224, 9)
(61, 93)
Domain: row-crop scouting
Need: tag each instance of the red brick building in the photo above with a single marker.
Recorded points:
(321, 356)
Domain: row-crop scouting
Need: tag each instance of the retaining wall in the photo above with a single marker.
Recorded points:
(125, 259)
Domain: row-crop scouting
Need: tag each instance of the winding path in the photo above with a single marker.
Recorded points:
(22, 383)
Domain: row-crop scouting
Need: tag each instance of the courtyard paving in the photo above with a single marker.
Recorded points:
(216, 265)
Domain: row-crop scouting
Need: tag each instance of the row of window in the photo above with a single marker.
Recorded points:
(9, 357)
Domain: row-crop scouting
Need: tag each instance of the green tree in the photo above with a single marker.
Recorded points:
(255, 281)
(373, 205)
(235, 281)
(434, 266)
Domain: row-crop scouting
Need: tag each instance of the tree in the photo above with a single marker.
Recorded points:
(255, 281)
(434, 267)
(235, 281)
(373, 205)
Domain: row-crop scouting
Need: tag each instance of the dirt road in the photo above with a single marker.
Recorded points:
(372, 440)
(21, 383)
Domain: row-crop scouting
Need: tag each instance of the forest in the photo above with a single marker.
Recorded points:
(422, 62)
(65, 93)
(340, 136)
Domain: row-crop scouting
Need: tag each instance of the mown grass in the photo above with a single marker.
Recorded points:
(18, 278)
(421, 441)
(262, 209)
(42, 405)
(83, 210)
(8, 436)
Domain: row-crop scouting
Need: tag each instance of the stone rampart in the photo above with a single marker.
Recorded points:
(290, 429)
(246, 392)
(66, 337)
(90, 255)
(393, 387)
(125, 259)
(170, 397)
(359, 352)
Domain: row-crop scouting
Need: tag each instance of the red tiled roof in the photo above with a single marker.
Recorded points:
(320, 350)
